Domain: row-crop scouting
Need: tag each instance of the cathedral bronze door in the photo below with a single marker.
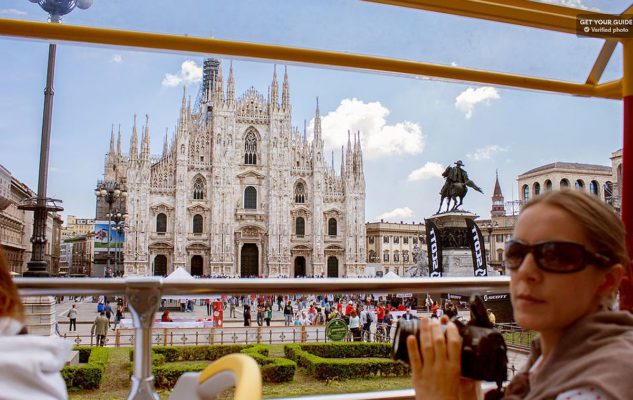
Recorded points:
(249, 261)
(300, 267)
(196, 266)
(160, 265)
(332, 267)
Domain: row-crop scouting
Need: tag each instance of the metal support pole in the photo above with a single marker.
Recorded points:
(143, 299)
(109, 199)
(38, 266)
(626, 288)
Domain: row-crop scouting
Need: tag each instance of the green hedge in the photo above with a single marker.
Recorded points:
(369, 359)
(195, 353)
(89, 375)
(166, 374)
(273, 369)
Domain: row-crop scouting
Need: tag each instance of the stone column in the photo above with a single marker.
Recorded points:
(39, 314)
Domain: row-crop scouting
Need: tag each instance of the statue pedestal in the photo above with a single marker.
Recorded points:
(457, 258)
(39, 315)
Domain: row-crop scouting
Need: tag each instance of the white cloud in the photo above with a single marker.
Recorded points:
(117, 58)
(397, 214)
(570, 3)
(453, 64)
(378, 138)
(470, 97)
(486, 153)
(427, 171)
(12, 11)
(190, 73)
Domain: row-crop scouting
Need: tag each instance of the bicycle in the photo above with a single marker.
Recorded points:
(383, 334)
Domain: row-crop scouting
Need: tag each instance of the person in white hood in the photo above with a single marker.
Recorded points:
(29, 365)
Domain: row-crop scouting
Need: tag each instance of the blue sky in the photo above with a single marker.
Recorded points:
(411, 128)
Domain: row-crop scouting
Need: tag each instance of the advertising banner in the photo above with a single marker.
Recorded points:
(116, 239)
(476, 241)
(434, 247)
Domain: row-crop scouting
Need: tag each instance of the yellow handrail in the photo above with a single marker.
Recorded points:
(156, 41)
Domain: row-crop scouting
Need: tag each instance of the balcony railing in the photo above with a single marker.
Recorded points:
(144, 294)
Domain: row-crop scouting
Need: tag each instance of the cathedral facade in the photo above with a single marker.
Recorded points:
(239, 191)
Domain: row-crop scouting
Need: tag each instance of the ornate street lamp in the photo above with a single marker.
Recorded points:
(110, 192)
(41, 205)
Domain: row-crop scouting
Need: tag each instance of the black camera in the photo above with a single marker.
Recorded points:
(484, 352)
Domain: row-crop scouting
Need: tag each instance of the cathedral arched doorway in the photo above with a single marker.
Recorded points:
(332, 267)
(249, 265)
(160, 265)
(196, 265)
(300, 267)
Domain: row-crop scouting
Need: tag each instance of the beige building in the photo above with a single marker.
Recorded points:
(601, 180)
(16, 226)
(77, 226)
(79, 254)
(391, 244)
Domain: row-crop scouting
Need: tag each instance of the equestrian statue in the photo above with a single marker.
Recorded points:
(456, 186)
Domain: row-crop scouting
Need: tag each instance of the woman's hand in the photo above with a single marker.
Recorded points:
(436, 363)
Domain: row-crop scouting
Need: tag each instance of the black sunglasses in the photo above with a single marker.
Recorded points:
(558, 257)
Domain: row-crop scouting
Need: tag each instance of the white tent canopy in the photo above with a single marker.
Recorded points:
(181, 275)
(391, 275)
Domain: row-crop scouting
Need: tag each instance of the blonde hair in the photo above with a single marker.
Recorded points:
(10, 304)
(602, 228)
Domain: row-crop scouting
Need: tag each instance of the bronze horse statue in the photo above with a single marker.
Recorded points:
(457, 190)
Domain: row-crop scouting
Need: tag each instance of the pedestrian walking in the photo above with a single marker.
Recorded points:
(108, 311)
(288, 312)
(118, 316)
(100, 328)
(232, 307)
(72, 315)
(268, 314)
(247, 315)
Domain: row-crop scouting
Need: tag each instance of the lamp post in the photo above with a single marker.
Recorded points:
(41, 205)
(110, 192)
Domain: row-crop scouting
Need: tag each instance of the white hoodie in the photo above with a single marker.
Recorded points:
(30, 365)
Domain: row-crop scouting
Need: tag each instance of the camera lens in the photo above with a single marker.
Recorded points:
(403, 330)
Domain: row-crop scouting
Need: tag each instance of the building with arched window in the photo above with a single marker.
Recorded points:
(239, 191)
(603, 181)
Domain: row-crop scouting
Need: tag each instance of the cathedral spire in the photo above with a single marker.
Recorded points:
(317, 123)
(111, 151)
(165, 144)
(348, 155)
(360, 157)
(230, 91)
(119, 148)
(145, 143)
(285, 97)
(183, 108)
(274, 90)
(134, 142)
(342, 161)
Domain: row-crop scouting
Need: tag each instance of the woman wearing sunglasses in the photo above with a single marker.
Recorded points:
(566, 261)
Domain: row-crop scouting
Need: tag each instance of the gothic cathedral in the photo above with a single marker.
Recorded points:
(239, 191)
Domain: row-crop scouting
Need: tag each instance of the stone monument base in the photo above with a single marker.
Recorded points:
(457, 258)
(39, 315)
